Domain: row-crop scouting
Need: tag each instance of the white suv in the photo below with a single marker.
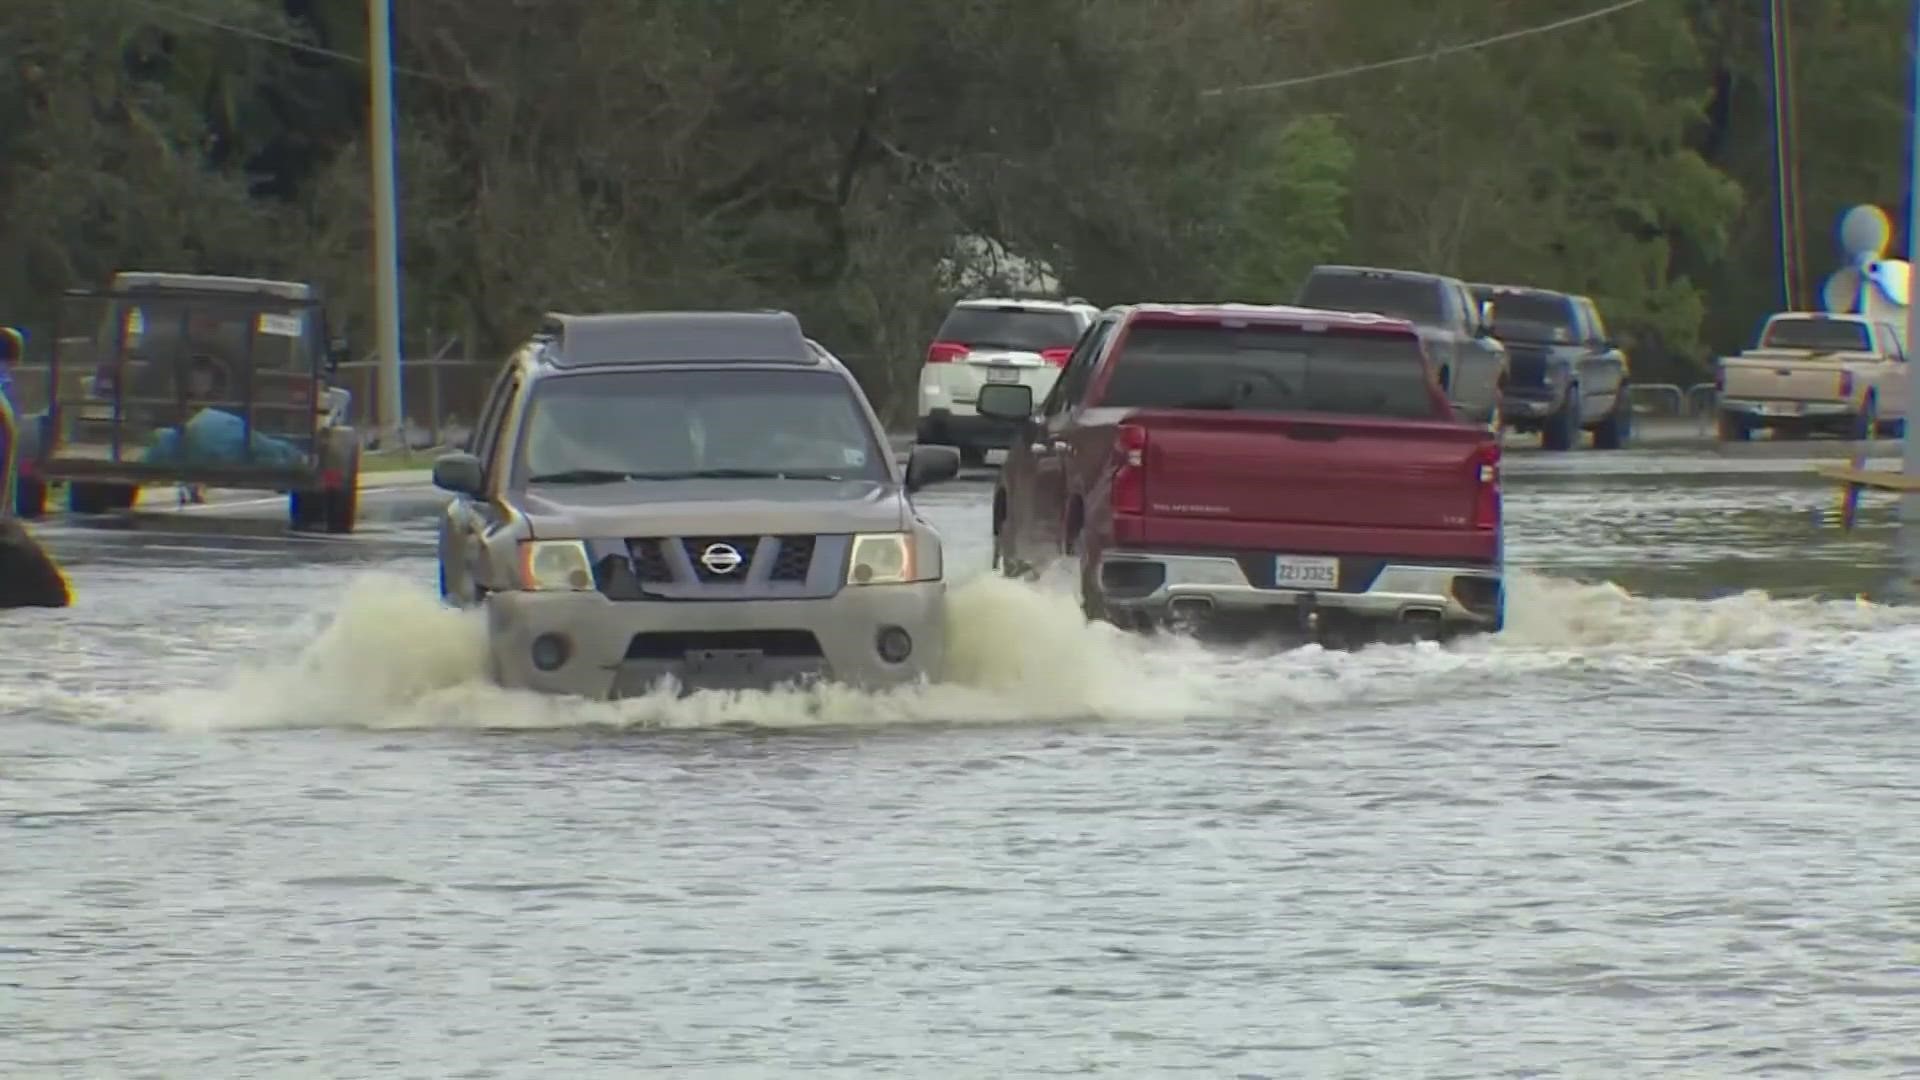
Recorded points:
(991, 340)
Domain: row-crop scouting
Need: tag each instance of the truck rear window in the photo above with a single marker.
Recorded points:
(1413, 299)
(1010, 328)
(1271, 369)
(1531, 316)
(1827, 335)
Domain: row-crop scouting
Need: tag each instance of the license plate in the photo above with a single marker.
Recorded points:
(1003, 374)
(1305, 572)
(1779, 410)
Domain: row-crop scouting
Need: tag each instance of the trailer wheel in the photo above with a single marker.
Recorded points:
(30, 498)
(342, 505)
(331, 510)
(95, 498)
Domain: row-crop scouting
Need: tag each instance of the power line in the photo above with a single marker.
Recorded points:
(1444, 50)
(285, 43)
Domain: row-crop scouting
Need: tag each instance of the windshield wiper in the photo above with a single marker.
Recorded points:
(740, 474)
(581, 476)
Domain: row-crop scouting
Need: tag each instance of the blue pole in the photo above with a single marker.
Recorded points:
(385, 230)
(1909, 446)
(9, 456)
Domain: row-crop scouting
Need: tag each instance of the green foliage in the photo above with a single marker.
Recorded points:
(823, 155)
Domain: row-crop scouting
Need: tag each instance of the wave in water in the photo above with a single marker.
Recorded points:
(393, 657)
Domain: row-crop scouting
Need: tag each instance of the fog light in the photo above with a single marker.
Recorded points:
(894, 644)
(550, 651)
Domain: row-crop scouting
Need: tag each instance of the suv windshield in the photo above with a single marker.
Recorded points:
(1415, 299)
(1010, 328)
(1272, 369)
(611, 425)
(1521, 316)
(1826, 335)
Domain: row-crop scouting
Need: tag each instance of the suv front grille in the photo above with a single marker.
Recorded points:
(649, 561)
(678, 560)
(793, 559)
(697, 548)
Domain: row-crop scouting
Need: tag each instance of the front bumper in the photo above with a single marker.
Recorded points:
(1761, 411)
(1159, 587)
(624, 648)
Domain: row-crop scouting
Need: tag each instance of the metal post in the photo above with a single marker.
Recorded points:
(386, 242)
(1909, 445)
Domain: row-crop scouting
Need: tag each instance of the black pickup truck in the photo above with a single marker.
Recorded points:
(1565, 374)
(1470, 362)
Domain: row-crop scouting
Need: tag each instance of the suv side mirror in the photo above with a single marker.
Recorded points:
(1005, 401)
(460, 473)
(930, 465)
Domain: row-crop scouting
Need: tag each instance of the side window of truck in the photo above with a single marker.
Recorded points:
(1073, 378)
(1461, 312)
(1595, 326)
(1890, 342)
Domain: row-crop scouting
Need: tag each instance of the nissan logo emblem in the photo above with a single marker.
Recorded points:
(721, 558)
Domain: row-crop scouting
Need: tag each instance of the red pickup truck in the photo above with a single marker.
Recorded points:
(1282, 467)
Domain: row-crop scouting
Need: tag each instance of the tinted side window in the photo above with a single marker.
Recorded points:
(1073, 380)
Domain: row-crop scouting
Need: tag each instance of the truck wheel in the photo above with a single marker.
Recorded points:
(1562, 429)
(1617, 428)
(1734, 428)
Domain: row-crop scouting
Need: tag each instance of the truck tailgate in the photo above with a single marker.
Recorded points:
(1788, 375)
(1344, 472)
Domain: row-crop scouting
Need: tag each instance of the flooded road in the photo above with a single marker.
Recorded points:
(264, 821)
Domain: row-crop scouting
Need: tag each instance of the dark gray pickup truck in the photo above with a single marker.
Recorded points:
(1472, 363)
(1565, 374)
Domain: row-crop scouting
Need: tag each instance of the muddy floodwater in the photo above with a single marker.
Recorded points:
(262, 819)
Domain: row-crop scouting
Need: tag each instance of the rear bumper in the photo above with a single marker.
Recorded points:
(961, 426)
(1530, 407)
(617, 649)
(1760, 411)
(1164, 585)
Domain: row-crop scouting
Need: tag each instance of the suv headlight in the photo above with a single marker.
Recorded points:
(555, 566)
(884, 559)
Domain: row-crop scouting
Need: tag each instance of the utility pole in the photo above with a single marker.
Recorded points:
(386, 240)
(1909, 445)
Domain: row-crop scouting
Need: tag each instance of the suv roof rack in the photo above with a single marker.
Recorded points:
(676, 337)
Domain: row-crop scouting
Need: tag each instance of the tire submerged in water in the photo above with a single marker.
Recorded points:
(28, 575)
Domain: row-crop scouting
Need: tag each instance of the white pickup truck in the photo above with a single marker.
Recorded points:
(1816, 372)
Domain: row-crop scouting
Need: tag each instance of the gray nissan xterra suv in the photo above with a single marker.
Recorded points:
(706, 496)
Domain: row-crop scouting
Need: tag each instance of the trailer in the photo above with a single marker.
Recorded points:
(198, 381)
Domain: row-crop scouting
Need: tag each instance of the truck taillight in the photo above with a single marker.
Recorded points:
(1846, 384)
(1056, 357)
(1130, 470)
(1486, 491)
(946, 352)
